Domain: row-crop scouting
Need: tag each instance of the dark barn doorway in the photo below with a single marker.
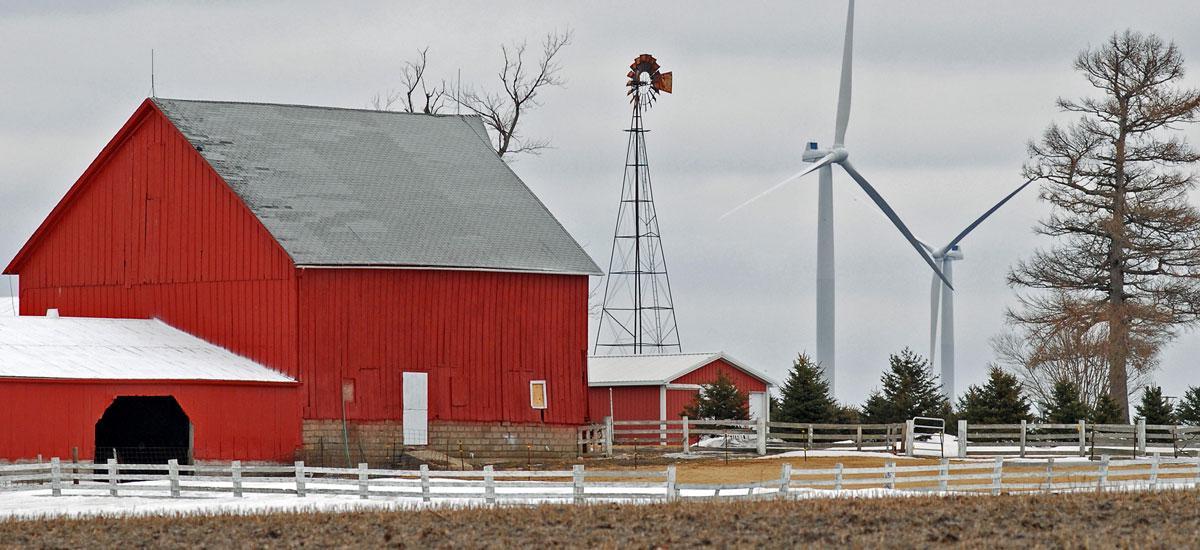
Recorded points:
(144, 430)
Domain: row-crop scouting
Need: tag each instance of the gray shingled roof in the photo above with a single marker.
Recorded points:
(369, 188)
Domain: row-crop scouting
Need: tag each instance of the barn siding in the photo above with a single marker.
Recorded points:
(151, 231)
(481, 336)
(628, 403)
(230, 420)
(708, 374)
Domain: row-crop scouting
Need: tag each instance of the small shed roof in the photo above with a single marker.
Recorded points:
(355, 187)
(656, 370)
(117, 349)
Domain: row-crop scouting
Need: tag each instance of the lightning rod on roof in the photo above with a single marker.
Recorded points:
(152, 92)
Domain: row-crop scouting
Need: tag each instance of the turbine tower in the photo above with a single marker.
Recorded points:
(638, 314)
(941, 297)
(823, 161)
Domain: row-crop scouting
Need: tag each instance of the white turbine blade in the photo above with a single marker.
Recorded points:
(843, 106)
(935, 294)
(825, 160)
(891, 214)
(985, 215)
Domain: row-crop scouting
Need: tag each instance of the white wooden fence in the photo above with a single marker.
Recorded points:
(912, 438)
(580, 485)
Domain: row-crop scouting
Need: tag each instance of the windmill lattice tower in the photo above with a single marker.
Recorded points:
(638, 314)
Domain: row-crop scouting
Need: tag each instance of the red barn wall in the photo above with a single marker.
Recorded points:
(628, 402)
(151, 231)
(481, 336)
(708, 374)
(230, 421)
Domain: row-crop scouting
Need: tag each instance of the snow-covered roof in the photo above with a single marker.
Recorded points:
(9, 306)
(656, 370)
(117, 349)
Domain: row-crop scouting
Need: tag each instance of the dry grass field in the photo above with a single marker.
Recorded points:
(1144, 520)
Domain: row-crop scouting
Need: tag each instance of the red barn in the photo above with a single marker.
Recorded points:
(390, 264)
(658, 387)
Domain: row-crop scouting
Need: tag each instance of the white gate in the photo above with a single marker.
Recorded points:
(416, 408)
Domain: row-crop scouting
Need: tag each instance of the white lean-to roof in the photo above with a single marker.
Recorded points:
(117, 349)
(655, 370)
(9, 306)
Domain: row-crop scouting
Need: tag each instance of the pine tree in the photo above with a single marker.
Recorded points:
(805, 394)
(1066, 405)
(999, 401)
(1188, 411)
(1107, 411)
(909, 389)
(1155, 408)
(720, 400)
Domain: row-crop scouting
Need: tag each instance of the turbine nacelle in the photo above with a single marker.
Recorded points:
(813, 153)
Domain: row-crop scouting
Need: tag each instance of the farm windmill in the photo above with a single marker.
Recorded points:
(823, 161)
(942, 296)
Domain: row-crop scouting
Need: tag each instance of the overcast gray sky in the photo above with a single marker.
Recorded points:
(946, 94)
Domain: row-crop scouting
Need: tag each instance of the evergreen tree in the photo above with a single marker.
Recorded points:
(1107, 411)
(847, 414)
(1188, 411)
(1155, 408)
(805, 394)
(909, 389)
(1066, 406)
(999, 401)
(720, 400)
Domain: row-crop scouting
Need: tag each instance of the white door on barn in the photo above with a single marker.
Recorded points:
(416, 408)
(757, 402)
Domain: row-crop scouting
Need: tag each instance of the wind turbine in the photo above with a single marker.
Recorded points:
(823, 161)
(939, 292)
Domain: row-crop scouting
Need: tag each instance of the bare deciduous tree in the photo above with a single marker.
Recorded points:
(1124, 275)
(521, 80)
(502, 111)
(412, 77)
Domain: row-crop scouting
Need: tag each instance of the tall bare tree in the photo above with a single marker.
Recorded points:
(1126, 263)
(520, 85)
(522, 79)
(412, 77)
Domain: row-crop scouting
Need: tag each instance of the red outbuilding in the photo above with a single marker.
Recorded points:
(659, 387)
(390, 266)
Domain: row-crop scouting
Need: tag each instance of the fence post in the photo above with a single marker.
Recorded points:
(424, 483)
(1049, 473)
(112, 477)
(837, 476)
(809, 431)
(1103, 481)
(363, 486)
(1196, 481)
(889, 475)
(671, 494)
(1024, 431)
(55, 477)
(762, 434)
(299, 478)
(1141, 436)
(687, 436)
(236, 467)
(577, 483)
(1082, 438)
(489, 485)
(1154, 471)
(608, 436)
(173, 475)
(858, 437)
(785, 480)
(944, 474)
(997, 475)
(910, 438)
(962, 439)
